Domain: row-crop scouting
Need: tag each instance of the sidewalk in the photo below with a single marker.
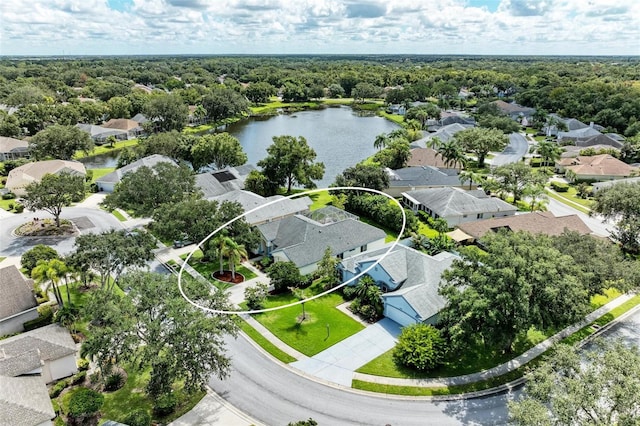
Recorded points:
(214, 410)
(503, 368)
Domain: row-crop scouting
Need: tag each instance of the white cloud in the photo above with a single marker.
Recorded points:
(321, 26)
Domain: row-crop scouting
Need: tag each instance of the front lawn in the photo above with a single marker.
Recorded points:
(98, 173)
(323, 327)
(208, 268)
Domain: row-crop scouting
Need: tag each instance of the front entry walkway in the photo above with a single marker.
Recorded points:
(338, 363)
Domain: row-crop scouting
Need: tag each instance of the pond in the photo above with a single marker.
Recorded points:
(340, 136)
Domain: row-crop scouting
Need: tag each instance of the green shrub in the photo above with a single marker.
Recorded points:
(85, 402)
(165, 404)
(559, 186)
(420, 347)
(10, 205)
(137, 417)
(535, 162)
(78, 378)
(113, 382)
(349, 292)
(45, 318)
(30, 258)
(58, 388)
(8, 196)
(95, 377)
(19, 208)
(83, 364)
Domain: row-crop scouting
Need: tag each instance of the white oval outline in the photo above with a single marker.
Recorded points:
(289, 197)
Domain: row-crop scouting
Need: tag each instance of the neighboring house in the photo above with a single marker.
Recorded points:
(597, 186)
(25, 401)
(277, 210)
(99, 134)
(194, 118)
(444, 133)
(54, 346)
(596, 168)
(425, 157)
(12, 149)
(413, 178)
(140, 118)
(577, 135)
(397, 109)
(572, 151)
(131, 127)
(409, 279)
(535, 223)
(303, 239)
(570, 123)
(219, 182)
(513, 110)
(108, 182)
(456, 205)
(22, 176)
(18, 303)
(601, 139)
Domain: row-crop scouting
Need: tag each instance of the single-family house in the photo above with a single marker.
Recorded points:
(598, 186)
(303, 238)
(444, 134)
(54, 346)
(24, 401)
(22, 176)
(601, 139)
(18, 303)
(595, 168)
(131, 127)
(414, 178)
(218, 182)
(426, 157)
(573, 136)
(108, 182)
(272, 210)
(456, 205)
(99, 134)
(409, 279)
(12, 148)
(398, 109)
(535, 223)
(572, 151)
(513, 110)
(140, 118)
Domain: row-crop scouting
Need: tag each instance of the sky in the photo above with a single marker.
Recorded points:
(461, 27)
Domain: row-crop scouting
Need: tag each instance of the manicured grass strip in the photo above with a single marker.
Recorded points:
(119, 216)
(265, 344)
(2, 258)
(566, 201)
(323, 327)
(391, 235)
(98, 173)
(320, 199)
(398, 119)
(103, 149)
(206, 269)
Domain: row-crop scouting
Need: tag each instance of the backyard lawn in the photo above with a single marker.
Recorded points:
(98, 173)
(323, 327)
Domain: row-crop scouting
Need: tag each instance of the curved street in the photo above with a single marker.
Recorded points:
(274, 395)
(517, 148)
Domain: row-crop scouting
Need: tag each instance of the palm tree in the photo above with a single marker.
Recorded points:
(235, 253)
(451, 153)
(221, 243)
(381, 141)
(470, 176)
(549, 151)
(434, 143)
(50, 271)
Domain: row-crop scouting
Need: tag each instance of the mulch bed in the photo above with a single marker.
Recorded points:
(46, 228)
(227, 277)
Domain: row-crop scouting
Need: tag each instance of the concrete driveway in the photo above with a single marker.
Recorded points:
(338, 363)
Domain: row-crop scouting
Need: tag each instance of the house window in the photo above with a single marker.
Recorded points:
(363, 248)
(340, 256)
(479, 216)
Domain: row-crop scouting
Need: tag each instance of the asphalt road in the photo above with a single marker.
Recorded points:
(274, 395)
(596, 224)
(517, 148)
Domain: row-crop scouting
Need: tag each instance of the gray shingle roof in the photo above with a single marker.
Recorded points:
(52, 341)
(418, 273)
(423, 176)
(149, 161)
(8, 144)
(21, 364)
(447, 202)
(16, 291)
(249, 200)
(304, 241)
(212, 184)
(24, 401)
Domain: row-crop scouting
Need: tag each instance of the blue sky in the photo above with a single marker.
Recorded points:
(497, 27)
